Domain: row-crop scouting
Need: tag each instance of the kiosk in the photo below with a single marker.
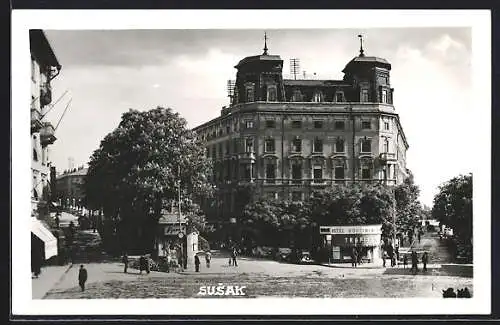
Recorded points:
(339, 241)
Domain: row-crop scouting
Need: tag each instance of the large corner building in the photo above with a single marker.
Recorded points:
(291, 137)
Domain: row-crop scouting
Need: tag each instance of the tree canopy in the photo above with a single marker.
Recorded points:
(138, 166)
(453, 205)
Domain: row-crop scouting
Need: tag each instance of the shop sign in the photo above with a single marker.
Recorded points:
(351, 230)
(173, 229)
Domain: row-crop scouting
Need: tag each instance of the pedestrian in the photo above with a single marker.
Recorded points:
(57, 220)
(207, 259)
(142, 264)
(233, 256)
(425, 259)
(419, 236)
(82, 277)
(125, 262)
(197, 263)
(397, 254)
(354, 257)
(414, 262)
(405, 261)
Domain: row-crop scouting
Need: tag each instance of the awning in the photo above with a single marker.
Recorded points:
(45, 235)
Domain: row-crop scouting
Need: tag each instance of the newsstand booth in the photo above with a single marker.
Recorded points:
(339, 242)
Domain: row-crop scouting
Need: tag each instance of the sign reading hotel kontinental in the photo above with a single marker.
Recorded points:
(337, 230)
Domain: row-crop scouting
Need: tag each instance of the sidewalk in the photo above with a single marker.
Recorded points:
(48, 279)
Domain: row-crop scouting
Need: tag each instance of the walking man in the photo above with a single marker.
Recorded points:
(197, 263)
(207, 259)
(125, 262)
(354, 257)
(82, 277)
(425, 258)
(414, 262)
(233, 256)
(405, 261)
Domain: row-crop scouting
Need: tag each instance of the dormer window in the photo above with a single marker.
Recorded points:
(364, 96)
(249, 92)
(317, 97)
(272, 93)
(339, 97)
(296, 96)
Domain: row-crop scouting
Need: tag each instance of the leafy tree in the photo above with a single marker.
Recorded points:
(139, 165)
(453, 205)
(408, 207)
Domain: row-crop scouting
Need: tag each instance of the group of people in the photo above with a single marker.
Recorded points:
(414, 261)
(356, 257)
(197, 261)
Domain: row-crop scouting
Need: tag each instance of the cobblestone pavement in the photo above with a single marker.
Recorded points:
(262, 278)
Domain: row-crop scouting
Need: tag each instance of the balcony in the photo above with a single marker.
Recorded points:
(388, 156)
(47, 134)
(36, 123)
(45, 94)
(247, 156)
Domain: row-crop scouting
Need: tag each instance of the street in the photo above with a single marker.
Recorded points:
(262, 278)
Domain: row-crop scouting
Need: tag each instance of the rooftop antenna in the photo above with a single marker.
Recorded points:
(230, 89)
(295, 67)
(265, 44)
(361, 51)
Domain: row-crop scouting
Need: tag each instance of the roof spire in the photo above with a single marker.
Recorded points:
(265, 44)
(361, 51)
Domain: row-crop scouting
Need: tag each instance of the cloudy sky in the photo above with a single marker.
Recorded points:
(108, 72)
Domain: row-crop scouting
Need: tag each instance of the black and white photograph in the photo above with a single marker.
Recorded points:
(308, 162)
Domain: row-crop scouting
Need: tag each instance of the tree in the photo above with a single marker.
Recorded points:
(453, 206)
(408, 207)
(139, 165)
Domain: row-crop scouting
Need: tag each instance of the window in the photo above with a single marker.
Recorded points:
(366, 145)
(297, 96)
(318, 145)
(339, 125)
(270, 173)
(296, 196)
(269, 145)
(296, 124)
(317, 97)
(366, 125)
(249, 124)
(386, 145)
(207, 152)
(247, 172)
(297, 145)
(228, 129)
(364, 95)
(365, 172)
(236, 146)
(35, 155)
(220, 149)
(317, 174)
(339, 145)
(249, 145)
(228, 150)
(384, 96)
(297, 173)
(35, 194)
(235, 126)
(318, 124)
(250, 97)
(270, 124)
(339, 172)
(272, 94)
(339, 96)
(386, 126)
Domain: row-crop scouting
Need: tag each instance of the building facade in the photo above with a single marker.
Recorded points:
(70, 188)
(44, 68)
(289, 138)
